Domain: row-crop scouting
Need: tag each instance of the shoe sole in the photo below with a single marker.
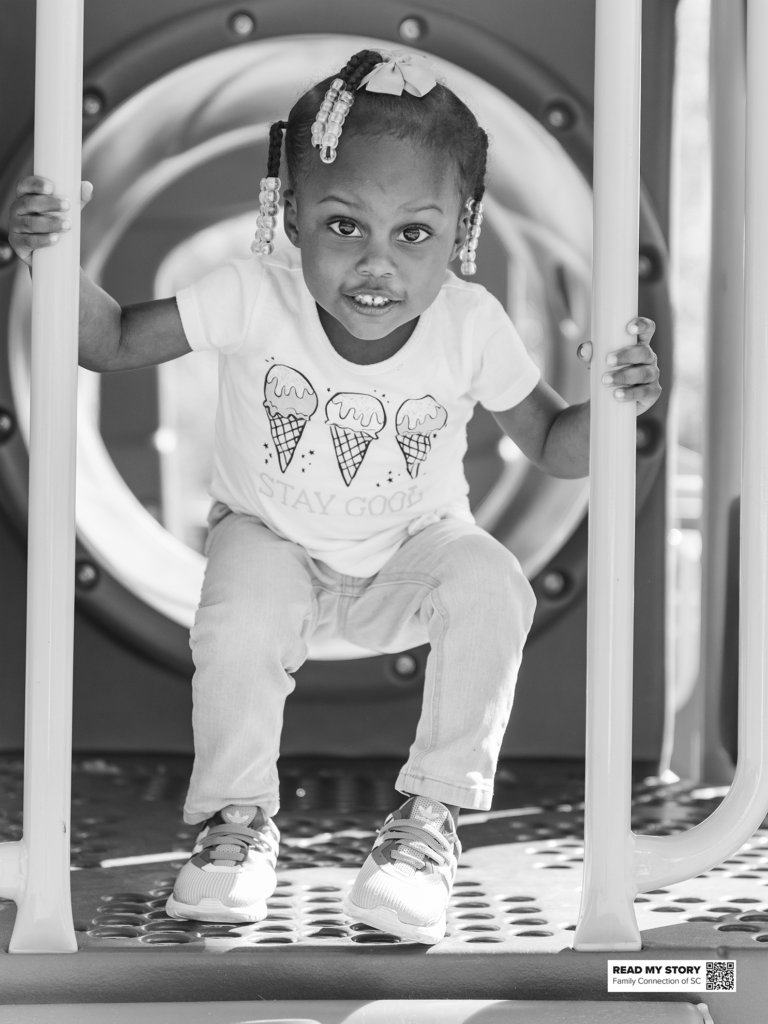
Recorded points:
(216, 912)
(386, 920)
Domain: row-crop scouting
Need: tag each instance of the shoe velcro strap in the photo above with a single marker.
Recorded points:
(424, 840)
(222, 835)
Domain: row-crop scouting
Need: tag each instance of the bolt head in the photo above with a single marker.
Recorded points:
(412, 29)
(553, 583)
(559, 116)
(7, 425)
(242, 24)
(93, 104)
(405, 665)
(644, 267)
(87, 575)
(643, 436)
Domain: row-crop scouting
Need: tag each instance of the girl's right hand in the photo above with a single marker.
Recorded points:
(38, 217)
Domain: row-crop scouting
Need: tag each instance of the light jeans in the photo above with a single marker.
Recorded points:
(452, 585)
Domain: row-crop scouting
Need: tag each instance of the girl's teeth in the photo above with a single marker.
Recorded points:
(371, 300)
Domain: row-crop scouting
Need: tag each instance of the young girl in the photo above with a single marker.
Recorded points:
(349, 368)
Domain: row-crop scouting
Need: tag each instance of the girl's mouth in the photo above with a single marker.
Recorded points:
(371, 303)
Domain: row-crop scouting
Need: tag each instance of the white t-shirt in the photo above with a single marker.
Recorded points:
(339, 458)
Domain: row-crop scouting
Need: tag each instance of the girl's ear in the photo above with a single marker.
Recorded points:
(291, 217)
(461, 232)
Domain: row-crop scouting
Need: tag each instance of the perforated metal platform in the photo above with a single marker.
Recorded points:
(517, 892)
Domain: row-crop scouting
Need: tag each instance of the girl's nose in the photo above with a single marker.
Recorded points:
(376, 261)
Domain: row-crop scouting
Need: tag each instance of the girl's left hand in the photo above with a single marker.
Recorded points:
(633, 373)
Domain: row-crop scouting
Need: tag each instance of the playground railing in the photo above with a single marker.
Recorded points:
(35, 870)
(619, 864)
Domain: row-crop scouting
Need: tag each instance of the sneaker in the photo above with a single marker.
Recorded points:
(405, 884)
(231, 872)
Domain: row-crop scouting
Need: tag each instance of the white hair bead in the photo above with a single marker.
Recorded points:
(266, 222)
(468, 252)
(330, 119)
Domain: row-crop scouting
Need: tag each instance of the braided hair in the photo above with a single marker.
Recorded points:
(439, 121)
(275, 148)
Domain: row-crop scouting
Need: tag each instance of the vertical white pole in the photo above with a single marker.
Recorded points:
(44, 918)
(607, 918)
(664, 860)
(753, 602)
(722, 423)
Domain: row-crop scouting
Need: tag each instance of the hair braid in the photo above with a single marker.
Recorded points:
(479, 192)
(358, 66)
(275, 148)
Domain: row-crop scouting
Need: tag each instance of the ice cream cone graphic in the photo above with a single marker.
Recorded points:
(290, 401)
(355, 420)
(417, 420)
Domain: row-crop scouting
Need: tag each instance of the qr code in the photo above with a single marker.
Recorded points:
(721, 975)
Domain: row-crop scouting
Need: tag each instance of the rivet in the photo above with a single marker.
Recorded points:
(650, 264)
(6, 252)
(7, 425)
(412, 29)
(643, 436)
(559, 116)
(644, 267)
(553, 583)
(86, 575)
(405, 665)
(93, 104)
(242, 24)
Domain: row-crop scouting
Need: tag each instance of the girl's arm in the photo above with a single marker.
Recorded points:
(111, 338)
(115, 338)
(554, 435)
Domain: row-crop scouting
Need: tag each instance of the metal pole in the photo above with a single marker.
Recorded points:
(607, 918)
(722, 446)
(44, 918)
(663, 860)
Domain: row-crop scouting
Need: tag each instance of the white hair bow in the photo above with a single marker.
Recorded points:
(409, 71)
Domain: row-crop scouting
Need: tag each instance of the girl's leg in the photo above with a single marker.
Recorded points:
(256, 610)
(458, 587)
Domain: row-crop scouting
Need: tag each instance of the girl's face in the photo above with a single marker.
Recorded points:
(377, 229)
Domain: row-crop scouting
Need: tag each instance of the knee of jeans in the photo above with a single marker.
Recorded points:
(486, 571)
(266, 631)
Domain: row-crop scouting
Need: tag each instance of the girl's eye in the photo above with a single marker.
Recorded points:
(412, 234)
(345, 228)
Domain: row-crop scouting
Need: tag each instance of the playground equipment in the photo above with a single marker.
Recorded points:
(33, 871)
(618, 863)
(192, 95)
